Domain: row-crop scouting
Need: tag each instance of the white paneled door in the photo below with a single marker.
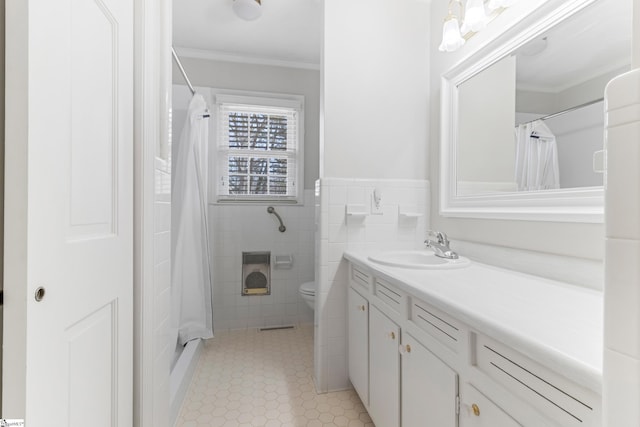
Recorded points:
(73, 82)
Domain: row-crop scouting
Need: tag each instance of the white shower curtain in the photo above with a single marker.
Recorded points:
(191, 312)
(536, 157)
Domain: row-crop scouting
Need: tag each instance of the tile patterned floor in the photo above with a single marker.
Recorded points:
(248, 378)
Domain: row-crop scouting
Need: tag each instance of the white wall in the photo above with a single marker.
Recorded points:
(571, 239)
(486, 151)
(528, 101)
(375, 89)
(374, 132)
(579, 134)
(264, 78)
(535, 102)
(589, 90)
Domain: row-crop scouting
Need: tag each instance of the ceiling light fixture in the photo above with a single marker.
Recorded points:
(534, 47)
(475, 15)
(249, 10)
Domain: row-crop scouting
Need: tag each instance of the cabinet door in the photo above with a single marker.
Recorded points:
(478, 411)
(384, 359)
(358, 312)
(429, 388)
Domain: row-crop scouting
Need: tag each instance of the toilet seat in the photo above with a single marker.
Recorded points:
(308, 288)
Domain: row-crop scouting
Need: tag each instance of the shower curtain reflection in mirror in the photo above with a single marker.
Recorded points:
(536, 157)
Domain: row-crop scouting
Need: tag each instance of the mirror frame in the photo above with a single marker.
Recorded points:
(584, 204)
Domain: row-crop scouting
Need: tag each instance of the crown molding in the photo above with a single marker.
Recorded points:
(185, 52)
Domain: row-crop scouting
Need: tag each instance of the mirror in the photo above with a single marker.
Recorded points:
(523, 118)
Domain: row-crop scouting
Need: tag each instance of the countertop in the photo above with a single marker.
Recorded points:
(557, 324)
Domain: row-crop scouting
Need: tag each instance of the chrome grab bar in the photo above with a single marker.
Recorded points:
(272, 210)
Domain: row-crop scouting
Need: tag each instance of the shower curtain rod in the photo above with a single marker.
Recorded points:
(184, 73)
(568, 110)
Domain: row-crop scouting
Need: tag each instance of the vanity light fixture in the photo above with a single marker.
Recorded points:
(497, 4)
(474, 18)
(249, 10)
(451, 36)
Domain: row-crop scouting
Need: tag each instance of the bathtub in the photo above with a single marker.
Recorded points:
(183, 366)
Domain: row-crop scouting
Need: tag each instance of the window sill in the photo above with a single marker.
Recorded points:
(259, 202)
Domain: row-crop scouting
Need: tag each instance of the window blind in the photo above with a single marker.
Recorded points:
(258, 150)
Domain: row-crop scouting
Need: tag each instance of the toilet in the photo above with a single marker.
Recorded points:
(308, 293)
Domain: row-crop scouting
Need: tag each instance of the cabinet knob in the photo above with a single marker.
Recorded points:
(408, 348)
(476, 410)
(392, 335)
(361, 308)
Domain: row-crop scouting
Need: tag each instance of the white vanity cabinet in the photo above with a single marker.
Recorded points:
(414, 363)
(358, 320)
(429, 387)
(386, 363)
(384, 373)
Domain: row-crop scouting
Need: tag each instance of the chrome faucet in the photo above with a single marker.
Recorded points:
(440, 246)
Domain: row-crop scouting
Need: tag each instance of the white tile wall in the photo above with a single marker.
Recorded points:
(620, 389)
(622, 286)
(335, 233)
(162, 347)
(244, 228)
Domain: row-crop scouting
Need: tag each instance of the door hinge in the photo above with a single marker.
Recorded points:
(457, 405)
(1, 298)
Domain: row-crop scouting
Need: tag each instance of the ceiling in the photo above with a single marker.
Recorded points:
(288, 32)
(592, 43)
(595, 41)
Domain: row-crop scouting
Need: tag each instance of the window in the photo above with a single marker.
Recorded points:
(259, 148)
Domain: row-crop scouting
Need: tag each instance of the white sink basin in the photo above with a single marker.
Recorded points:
(420, 259)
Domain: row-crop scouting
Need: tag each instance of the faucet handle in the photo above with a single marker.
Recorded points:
(440, 236)
(443, 238)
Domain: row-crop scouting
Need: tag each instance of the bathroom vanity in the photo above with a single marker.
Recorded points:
(473, 346)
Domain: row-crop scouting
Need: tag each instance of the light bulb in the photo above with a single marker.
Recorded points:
(474, 18)
(451, 38)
